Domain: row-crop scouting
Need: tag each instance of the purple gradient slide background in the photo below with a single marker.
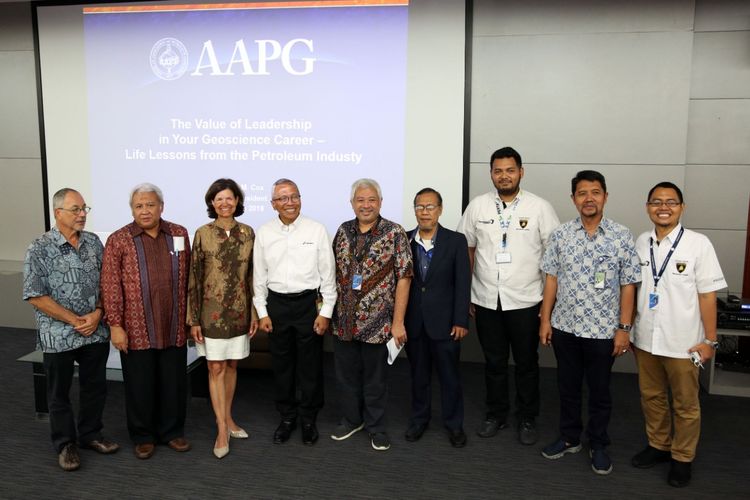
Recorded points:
(354, 98)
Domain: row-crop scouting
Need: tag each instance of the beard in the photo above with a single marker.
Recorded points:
(508, 191)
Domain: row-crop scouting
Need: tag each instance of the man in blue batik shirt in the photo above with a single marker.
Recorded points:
(61, 281)
(592, 270)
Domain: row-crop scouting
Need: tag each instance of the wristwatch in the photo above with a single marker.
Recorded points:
(712, 343)
(624, 327)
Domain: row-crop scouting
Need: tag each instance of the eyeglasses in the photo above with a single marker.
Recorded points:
(77, 210)
(286, 199)
(660, 203)
(420, 208)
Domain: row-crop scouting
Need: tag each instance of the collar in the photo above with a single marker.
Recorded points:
(519, 197)
(220, 229)
(138, 230)
(671, 236)
(60, 240)
(287, 227)
(373, 230)
(418, 239)
(601, 228)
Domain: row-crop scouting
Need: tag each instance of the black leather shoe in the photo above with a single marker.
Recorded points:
(458, 438)
(309, 434)
(489, 428)
(102, 446)
(649, 457)
(283, 431)
(414, 432)
(679, 474)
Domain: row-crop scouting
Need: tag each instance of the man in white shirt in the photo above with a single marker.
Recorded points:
(676, 317)
(292, 263)
(507, 230)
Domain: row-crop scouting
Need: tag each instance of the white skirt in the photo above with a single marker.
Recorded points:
(223, 349)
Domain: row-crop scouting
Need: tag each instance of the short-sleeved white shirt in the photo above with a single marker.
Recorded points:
(519, 283)
(675, 325)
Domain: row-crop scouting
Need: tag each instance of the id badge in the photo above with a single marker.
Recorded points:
(502, 258)
(653, 300)
(599, 278)
(357, 282)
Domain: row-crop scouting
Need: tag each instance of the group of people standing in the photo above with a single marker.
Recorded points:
(585, 287)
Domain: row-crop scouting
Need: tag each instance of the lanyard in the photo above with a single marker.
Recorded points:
(657, 277)
(503, 223)
(359, 256)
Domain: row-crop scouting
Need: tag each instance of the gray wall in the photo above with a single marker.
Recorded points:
(642, 90)
(21, 202)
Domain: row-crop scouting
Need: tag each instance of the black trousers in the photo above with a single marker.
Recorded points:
(297, 356)
(500, 332)
(363, 387)
(92, 381)
(155, 393)
(579, 358)
(444, 354)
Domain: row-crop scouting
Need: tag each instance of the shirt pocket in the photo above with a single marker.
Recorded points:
(610, 266)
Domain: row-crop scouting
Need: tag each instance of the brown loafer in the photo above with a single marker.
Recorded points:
(144, 450)
(102, 446)
(68, 458)
(179, 444)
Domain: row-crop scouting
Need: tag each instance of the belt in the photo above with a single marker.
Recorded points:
(296, 295)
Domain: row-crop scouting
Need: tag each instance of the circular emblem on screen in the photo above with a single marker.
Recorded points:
(169, 59)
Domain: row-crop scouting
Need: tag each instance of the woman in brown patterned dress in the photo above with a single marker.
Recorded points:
(220, 313)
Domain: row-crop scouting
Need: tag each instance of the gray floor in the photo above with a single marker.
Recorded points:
(430, 468)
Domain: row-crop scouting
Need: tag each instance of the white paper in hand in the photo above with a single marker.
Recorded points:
(393, 350)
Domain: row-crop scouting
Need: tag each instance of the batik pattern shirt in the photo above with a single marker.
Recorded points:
(130, 287)
(583, 308)
(221, 281)
(382, 256)
(70, 277)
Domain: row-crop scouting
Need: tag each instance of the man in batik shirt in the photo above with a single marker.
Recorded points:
(61, 281)
(373, 275)
(144, 289)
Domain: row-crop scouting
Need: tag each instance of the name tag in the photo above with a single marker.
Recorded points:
(653, 300)
(599, 278)
(502, 258)
(357, 282)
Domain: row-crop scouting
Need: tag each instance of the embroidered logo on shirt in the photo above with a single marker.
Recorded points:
(523, 222)
(681, 266)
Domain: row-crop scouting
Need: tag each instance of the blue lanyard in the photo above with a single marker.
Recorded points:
(505, 224)
(657, 277)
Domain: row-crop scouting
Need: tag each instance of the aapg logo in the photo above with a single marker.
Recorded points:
(169, 59)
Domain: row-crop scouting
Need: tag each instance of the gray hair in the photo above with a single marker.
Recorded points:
(59, 197)
(146, 187)
(285, 181)
(366, 183)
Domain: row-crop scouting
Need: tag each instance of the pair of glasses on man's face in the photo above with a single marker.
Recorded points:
(77, 210)
(660, 203)
(420, 208)
(286, 199)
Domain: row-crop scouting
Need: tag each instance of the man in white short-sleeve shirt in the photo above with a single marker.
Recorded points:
(676, 317)
(507, 230)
